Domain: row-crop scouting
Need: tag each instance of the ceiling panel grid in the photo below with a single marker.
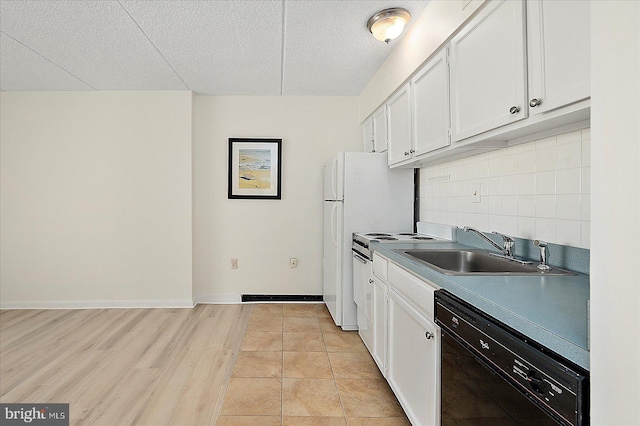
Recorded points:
(218, 47)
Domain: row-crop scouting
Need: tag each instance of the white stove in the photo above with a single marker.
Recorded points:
(361, 242)
(428, 233)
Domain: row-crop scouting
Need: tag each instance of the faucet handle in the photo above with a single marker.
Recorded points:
(507, 243)
(505, 238)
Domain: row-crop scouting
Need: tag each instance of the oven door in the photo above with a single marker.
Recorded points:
(361, 266)
(362, 295)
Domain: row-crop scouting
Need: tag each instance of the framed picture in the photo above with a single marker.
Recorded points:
(255, 168)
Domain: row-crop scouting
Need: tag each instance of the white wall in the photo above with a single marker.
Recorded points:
(264, 234)
(615, 232)
(537, 190)
(95, 199)
(432, 29)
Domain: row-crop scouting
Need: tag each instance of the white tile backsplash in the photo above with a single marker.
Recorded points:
(545, 206)
(527, 227)
(568, 207)
(546, 230)
(569, 155)
(545, 182)
(526, 184)
(568, 232)
(536, 190)
(509, 185)
(568, 181)
(527, 161)
(546, 158)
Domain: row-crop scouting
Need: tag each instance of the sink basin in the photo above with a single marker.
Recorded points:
(474, 262)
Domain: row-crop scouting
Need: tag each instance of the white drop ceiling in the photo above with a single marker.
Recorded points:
(235, 47)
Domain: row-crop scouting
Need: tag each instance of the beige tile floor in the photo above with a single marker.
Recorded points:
(295, 367)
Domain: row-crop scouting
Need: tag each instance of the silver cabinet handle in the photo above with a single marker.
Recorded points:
(370, 281)
(534, 102)
(514, 110)
(428, 335)
(406, 153)
(412, 151)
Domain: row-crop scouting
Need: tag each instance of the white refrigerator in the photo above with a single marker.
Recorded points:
(361, 194)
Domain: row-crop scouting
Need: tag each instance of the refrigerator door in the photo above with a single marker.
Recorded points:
(376, 199)
(332, 259)
(334, 178)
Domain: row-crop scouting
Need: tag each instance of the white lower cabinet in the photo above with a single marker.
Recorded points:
(367, 332)
(406, 342)
(380, 298)
(414, 361)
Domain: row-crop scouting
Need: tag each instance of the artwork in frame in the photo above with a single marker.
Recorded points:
(255, 168)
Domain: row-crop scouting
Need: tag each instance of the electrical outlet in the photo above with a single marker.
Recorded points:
(234, 263)
(293, 262)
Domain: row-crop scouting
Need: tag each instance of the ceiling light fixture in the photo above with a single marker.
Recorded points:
(388, 24)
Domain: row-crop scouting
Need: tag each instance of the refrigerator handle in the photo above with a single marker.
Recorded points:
(334, 178)
(334, 229)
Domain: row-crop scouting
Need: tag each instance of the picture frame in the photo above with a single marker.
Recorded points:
(255, 168)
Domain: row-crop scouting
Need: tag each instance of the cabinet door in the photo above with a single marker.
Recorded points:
(488, 81)
(559, 53)
(430, 104)
(367, 333)
(399, 126)
(380, 296)
(380, 129)
(367, 135)
(414, 361)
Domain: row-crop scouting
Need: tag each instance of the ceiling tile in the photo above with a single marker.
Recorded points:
(23, 69)
(328, 48)
(230, 47)
(96, 41)
(217, 47)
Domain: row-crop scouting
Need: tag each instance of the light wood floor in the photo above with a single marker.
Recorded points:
(225, 365)
(123, 366)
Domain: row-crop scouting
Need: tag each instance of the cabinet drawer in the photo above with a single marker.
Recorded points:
(380, 267)
(416, 290)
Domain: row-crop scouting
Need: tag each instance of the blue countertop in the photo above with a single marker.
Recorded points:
(551, 310)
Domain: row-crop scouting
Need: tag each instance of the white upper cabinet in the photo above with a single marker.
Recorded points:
(374, 131)
(488, 78)
(430, 105)
(559, 53)
(379, 122)
(399, 126)
(518, 71)
(367, 135)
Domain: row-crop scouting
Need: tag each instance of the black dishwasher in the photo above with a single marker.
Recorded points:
(493, 375)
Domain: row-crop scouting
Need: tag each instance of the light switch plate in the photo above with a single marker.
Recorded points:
(475, 193)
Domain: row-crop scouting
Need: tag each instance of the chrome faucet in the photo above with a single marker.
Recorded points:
(507, 241)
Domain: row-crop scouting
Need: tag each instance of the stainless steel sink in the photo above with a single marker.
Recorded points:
(474, 262)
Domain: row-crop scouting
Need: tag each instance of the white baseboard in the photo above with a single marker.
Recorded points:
(219, 299)
(98, 304)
